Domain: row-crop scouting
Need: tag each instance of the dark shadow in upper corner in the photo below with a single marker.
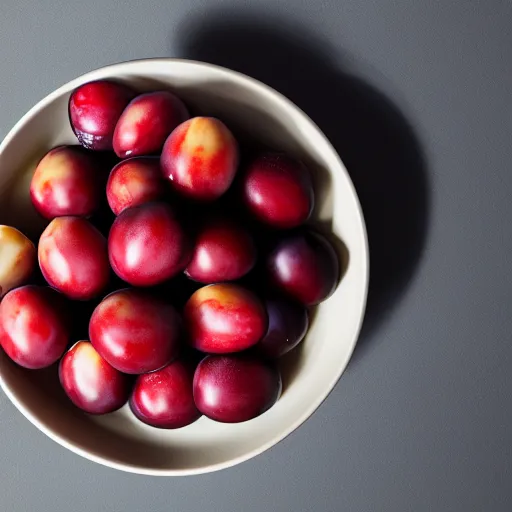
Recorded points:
(374, 140)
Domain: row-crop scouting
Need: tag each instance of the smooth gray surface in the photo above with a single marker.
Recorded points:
(421, 420)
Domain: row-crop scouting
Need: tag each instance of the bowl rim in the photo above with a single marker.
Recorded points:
(117, 69)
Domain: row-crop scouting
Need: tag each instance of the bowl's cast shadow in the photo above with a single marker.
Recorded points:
(376, 143)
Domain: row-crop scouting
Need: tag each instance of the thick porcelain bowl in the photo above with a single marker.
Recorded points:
(310, 372)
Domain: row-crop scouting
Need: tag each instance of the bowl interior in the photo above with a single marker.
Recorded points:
(309, 372)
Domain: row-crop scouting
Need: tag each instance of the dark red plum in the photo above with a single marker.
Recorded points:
(164, 398)
(287, 325)
(73, 258)
(235, 388)
(278, 190)
(223, 251)
(135, 332)
(134, 182)
(305, 267)
(94, 109)
(66, 182)
(33, 329)
(147, 245)
(146, 123)
(200, 158)
(90, 382)
(223, 318)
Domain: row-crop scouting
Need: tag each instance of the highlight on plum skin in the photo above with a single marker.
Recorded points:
(147, 245)
(90, 382)
(164, 398)
(133, 182)
(33, 329)
(278, 190)
(200, 158)
(146, 123)
(305, 267)
(223, 318)
(66, 182)
(18, 256)
(235, 388)
(223, 251)
(73, 258)
(135, 332)
(94, 109)
(288, 323)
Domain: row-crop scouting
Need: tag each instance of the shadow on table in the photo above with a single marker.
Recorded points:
(374, 140)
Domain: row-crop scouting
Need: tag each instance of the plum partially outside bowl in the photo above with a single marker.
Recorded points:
(310, 371)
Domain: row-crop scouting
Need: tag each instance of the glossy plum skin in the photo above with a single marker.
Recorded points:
(235, 388)
(278, 190)
(33, 330)
(200, 158)
(135, 332)
(66, 182)
(90, 382)
(73, 258)
(18, 256)
(223, 251)
(134, 182)
(147, 245)
(164, 399)
(146, 123)
(94, 109)
(223, 318)
(305, 267)
(287, 325)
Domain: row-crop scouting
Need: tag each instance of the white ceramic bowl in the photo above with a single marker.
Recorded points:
(309, 372)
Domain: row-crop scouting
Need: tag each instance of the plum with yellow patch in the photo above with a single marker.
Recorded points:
(146, 123)
(18, 259)
(90, 382)
(94, 109)
(134, 182)
(66, 182)
(147, 245)
(33, 329)
(222, 318)
(135, 332)
(200, 158)
(73, 258)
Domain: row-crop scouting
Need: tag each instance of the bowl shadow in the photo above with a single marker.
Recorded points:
(373, 138)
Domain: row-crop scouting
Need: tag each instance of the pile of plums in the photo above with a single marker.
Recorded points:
(175, 247)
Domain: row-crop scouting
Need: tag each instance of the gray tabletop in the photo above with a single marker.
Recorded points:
(417, 98)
